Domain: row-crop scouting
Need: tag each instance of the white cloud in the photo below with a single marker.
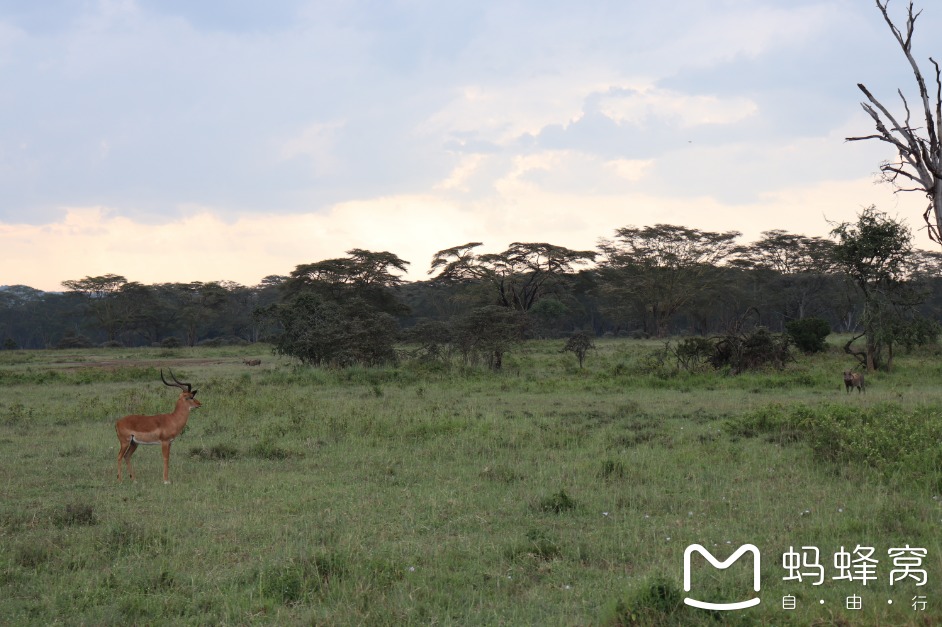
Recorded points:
(630, 169)
(747, 29)
(638, 107)
(504, 112)
(317, 143)
(460, 177)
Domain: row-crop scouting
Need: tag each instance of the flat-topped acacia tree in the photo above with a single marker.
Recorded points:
(520, 275)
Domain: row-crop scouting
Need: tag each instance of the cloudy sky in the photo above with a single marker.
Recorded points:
(174, 140)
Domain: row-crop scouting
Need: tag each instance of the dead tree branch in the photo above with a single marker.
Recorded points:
(919, 158)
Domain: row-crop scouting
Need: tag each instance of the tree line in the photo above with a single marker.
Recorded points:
(654, 281)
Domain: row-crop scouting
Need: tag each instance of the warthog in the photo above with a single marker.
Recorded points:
(252, 362)
(853, 380)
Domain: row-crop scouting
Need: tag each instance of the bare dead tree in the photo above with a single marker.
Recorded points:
(918, 165)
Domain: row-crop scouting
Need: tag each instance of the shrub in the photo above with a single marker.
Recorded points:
(579, 344)
(319, 331)
(170, 342)
(888, 438)
(809, 334)
(487, 334)
(71, 340)
(692, 353)
(751, 351)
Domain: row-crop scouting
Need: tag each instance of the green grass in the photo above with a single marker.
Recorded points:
(426, 494)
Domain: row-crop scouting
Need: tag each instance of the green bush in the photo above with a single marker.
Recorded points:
(72, 340)
(809, 334)
(893, 440)
(579, 344)
(319, 331)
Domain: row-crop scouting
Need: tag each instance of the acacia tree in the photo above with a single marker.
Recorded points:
(797, 269)
(362, 274)
(662, 268)
(99, 294)
(520, 275)
(918, 165)
(340, 311)
(874, 253)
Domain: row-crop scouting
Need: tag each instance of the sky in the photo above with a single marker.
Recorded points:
(178, 141)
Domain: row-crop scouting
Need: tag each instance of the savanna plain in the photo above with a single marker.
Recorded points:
(431, 493)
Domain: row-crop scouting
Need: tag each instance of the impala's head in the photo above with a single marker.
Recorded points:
(187, 394)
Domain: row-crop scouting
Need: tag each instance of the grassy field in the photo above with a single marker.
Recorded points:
(426, 494)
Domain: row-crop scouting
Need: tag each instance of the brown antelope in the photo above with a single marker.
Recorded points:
(252, 362)
(160, 429)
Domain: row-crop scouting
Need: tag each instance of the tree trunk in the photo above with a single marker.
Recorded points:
(498, 360)
(937, 208)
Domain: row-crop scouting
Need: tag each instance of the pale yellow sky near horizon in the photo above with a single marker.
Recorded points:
(91, 241)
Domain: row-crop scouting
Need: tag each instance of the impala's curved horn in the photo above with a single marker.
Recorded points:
(176, 382)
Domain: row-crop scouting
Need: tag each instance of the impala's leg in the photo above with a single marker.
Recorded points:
(132, 446)
(165, 446)
(124, 448)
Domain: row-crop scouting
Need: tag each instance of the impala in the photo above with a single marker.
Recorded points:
(160, 429)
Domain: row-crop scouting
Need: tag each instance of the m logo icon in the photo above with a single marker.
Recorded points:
(705, 605)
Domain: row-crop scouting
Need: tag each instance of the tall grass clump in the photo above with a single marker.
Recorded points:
(896, 441)
(301, 579)
(657, 601)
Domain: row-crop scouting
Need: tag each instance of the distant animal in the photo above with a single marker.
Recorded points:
(160, 429)
(252, 362)
(853, 380)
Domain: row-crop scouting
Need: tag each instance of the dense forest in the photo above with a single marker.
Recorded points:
(643, 282)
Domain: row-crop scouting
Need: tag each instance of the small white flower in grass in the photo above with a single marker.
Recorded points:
(567, 587)
(668, 538)
(412, 569)
(689, 514)
(646, 516)
(840, 510)
(604, 513)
